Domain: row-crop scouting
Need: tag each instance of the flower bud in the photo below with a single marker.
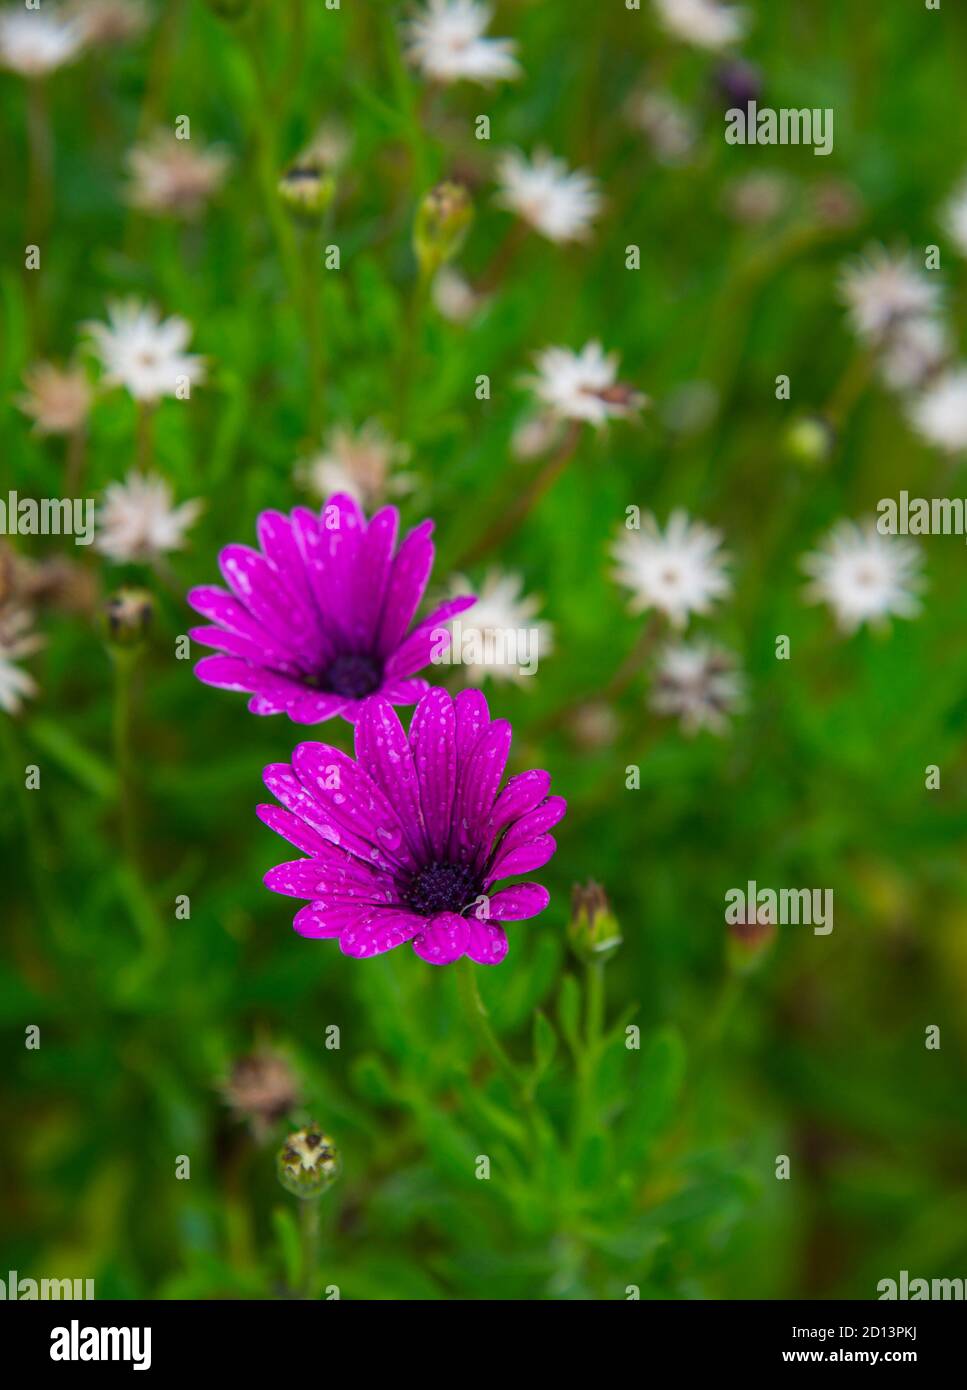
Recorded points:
(593, 930)
(737, 83)
(442, 221)
(307, 1164)
(127, 617)
(809, 440)
(749, 943)
(307, 189)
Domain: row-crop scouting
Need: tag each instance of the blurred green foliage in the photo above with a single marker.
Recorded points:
(652, 1167)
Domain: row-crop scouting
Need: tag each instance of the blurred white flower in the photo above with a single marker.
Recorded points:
(914, 352)
(668, 125)
(446, 41)
(882, 290)
(678, 571)
(138, 520)
(144, 353)
(705, 23)
(955, 218)
(535, 435)
(939, 413)
(358, 462)
(699, 684)
(594, 725)
(558, 202)
(16, 642)
(454, 297)
(501, 626)
(864, 576)
(756, 197)
(175, 177)
(57, 399)
(110, 22)
(583, 385)
(36, 42)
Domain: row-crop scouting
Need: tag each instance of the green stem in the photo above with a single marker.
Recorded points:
(309, 1231)
(145, 443)
(37, 839)
(476, 1011)
(311, 290)
(512, 517)
(588, 1061)
(76, 451)
(124, 661)
(411, 349)
(39, 196)
(266, 166)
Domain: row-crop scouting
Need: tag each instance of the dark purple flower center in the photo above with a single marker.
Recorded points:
(442, 888)
(353, 674)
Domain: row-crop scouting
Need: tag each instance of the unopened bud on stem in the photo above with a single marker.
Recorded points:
(127, 617)
(442, 221)
(307, 1163)
(307, 189)
(593, 930)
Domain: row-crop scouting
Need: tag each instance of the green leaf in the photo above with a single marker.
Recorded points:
(662, 1064)
(372, 1079)
(84, 766)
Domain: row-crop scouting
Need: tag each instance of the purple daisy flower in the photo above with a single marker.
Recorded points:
(319, 617)
(409, 841)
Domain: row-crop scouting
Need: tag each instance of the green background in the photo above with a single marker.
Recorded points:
(666, 1180)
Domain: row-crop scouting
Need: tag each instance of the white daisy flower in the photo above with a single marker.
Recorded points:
(57, 399)
(454, 298)
(883, 289)
(36, 42)
(138, 520)
(446, 41)
(16, 642)
(699, 684)
(500, 629)
(668, 125)
(358, 462)
(705, 23)
(939, 414)
(678, 571)
(558, 202)
(864, 576)
(144, 353)
(175, 177)
(955, 218)
(583, 385)
(914, 352)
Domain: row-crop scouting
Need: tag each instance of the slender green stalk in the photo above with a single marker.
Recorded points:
(76, 458)
(124, 661)
(39, 195)
(588, 1061)
(145, 436)
(310, 296)
(622, 678)
(309, 1232)
(411, 350)
(512, 517)
(35, 837)
(476, 1011)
